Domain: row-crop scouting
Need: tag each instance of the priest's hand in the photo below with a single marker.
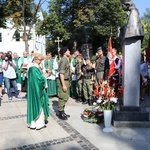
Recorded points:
(46, 74)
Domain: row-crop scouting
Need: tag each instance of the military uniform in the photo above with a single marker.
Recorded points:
(79, 81)
(64, 68)
(102, 64)
(88, 72)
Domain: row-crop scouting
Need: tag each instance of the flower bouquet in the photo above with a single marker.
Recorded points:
(92, 114)
(106, 95)
(107, 98)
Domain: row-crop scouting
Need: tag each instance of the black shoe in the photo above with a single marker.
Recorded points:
(85, 102)
(62, 116)
(79, 100)
(66, 115)
(90, 103)
(46, 121)
(18, 97)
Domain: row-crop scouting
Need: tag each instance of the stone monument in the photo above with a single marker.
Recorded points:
(130, 38)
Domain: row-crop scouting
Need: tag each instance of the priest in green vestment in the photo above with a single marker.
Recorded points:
(37, 98)
(51, 80)
(16, 59)
(23, 65)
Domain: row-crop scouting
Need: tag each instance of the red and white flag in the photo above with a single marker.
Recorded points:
(111, 58)
(148, 52)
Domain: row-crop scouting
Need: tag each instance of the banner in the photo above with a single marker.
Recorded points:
(148, 52)
(111, 58)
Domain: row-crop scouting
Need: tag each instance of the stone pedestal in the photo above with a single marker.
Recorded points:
(130, 113)
(131, 116)
(131, 72)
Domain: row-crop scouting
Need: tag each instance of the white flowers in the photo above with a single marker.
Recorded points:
(94, 103)
(114, 99)
(99, 100)
(105, 101)
(105, 82)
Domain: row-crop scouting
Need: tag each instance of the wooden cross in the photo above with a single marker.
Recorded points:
(58, 42)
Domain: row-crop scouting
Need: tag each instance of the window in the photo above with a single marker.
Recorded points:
(16, 36)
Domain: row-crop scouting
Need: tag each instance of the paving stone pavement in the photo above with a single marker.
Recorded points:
(73, 134)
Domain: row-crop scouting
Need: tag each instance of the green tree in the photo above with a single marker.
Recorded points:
(146, 26)
(2, 14)
(83, 21)
(23, 15)
(52, 26)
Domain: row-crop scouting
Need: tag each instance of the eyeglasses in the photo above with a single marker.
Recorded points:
(39, 59)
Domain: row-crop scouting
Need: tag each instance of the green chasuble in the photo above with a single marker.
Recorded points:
(17, 70)
(51, 81)
(48, 64)
(37, 98)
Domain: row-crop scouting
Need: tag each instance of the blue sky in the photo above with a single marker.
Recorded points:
(141, 5)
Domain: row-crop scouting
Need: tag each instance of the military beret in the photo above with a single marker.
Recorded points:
(100, 48)
(63, 50)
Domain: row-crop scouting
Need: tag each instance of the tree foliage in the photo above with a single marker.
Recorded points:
(146, 26)
(2, 14)
(84, 21)
(23, 14)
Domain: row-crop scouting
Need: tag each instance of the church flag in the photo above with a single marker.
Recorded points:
(111, 58)
(148, 52)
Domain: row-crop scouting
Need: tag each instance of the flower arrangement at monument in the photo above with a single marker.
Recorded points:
(106, 97)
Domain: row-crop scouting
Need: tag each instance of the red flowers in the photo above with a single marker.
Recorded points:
(107, 94)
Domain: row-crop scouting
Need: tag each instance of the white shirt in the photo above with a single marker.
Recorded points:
(117, 66)
(25, 61)
(10, 72)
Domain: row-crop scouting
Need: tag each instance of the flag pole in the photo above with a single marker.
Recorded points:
(110, 31)
(110, 56)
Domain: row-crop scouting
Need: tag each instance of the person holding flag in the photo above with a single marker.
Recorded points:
(114, 62)
(110, 56)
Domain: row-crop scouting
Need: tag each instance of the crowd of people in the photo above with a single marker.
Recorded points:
(64, 75)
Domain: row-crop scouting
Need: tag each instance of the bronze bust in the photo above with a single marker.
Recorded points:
(133, 27)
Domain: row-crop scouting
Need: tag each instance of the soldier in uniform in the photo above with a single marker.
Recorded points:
(88, 78)
(64, 82)
(102, 65)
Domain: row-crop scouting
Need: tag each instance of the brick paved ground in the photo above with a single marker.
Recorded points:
(73, 134)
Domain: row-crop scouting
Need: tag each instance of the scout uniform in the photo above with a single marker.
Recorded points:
(88, 72)
(102, 65)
